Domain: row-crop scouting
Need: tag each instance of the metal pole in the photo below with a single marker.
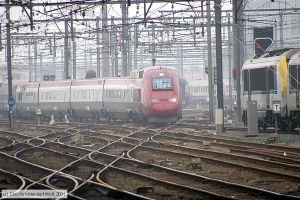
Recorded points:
(91, 59)
(98, 47)
(85, 56)
(237, 55)
(74, 55)
(209, 66)
(220, 114)
(35, 60)
(129, 50)
(73, 32)
(275, 44)
(105, 39)
(111, 49)
(29, 63)
(62, 63)
(1, 37)
(8, 54)
(113, 41)
(54, 45)
(54, 64)
(66, 51)
(229, 65)
(41, 72)
(181, 61)
(116, 69)
(123, 40)
(153, 46)
(135, 46)
(281, 29)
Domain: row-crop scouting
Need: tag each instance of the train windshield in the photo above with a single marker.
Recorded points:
(294, 72)
(261, 79)
(164, 83)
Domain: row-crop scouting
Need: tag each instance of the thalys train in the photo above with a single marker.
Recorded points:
(151, 94)
(272, 79)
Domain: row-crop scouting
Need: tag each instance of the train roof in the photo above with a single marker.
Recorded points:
(139, 73)
(158, 67)
(269, 59)
(295, 59)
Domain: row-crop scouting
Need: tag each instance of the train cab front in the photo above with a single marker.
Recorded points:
(164, 98)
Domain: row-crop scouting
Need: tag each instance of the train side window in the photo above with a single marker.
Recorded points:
(257, 79)
(293, 77)
(137, 95)
(246, 79)
(298, 77)
(271, 79)
(262, 79)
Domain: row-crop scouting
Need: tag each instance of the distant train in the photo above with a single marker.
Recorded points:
(199, 93)
(151, 94)
(275, 86)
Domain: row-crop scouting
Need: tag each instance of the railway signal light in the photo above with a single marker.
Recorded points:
(262, 45)
(263, 39)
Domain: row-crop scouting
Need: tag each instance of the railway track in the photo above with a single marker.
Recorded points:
(104, 157)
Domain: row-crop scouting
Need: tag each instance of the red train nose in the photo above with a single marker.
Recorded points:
(164, 108)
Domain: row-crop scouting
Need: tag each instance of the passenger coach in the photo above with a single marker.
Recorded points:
(151, 94)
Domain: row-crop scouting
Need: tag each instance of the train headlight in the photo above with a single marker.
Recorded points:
(155, 100)
(161, 74)
(174, 100)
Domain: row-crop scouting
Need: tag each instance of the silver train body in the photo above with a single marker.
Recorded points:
(261, 83)
(130, 98)
(109, 98)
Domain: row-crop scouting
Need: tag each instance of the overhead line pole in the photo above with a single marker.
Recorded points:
(135, 46)
(229, 66)
(8, 54)
(74, 58)
(1, 38)
(281, 29)
(237, 55)
(105, 43)
(35, 60)
(66, 51)
(220, 110)
(98, 47)
(73, 30)
(124, 40)
(29, 63)
(209, 66)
